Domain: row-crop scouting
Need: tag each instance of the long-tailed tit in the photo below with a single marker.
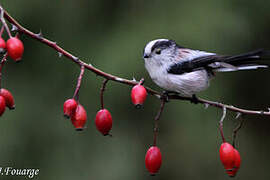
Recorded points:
(186, 71)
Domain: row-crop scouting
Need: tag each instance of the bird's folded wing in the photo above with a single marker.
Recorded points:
(222, 63)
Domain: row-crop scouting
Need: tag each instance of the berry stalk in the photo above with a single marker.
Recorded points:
(76, 93)
(1, 67)
(102, 92)
(163, 101)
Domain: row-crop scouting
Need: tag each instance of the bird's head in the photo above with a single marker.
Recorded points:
(159, 52)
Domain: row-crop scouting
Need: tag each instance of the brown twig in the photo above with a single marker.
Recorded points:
(102, 93)
(162, 104)
(76, 93)
(111, 77)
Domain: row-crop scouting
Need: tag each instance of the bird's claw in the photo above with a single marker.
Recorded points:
(194, 99)
(165, 96)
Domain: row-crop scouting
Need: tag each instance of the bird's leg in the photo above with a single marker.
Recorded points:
(194, 99)
(165, 95)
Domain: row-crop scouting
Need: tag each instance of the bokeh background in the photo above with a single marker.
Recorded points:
(111, 35)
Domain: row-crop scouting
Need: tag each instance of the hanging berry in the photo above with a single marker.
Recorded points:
(15, 48)
(2, 105)
(153, 160)
(226, 153)
(138, 95)
(70, 106)
(230, 158)
(237, 163)
(78, 118)
(8, 98)
(103, 121)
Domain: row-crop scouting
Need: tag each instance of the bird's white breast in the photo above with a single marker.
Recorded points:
(185, 84)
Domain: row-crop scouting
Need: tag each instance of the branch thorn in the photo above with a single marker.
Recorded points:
(75, 58)
(206, 105)
(133, 79)
(40, 35)
(238, 115)
(60, 54)
(14, 28)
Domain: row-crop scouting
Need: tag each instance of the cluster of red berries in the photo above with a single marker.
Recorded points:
(103, 118)
(230, 158)
(6, 100)
(76, 113)
(78, 116)
(14, 47)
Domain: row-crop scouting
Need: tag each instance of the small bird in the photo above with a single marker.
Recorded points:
(186, 72)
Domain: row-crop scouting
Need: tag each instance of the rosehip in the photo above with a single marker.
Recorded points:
(227, 156)
(153, 160)
(237, 163)
(2, 105)
(78, 118)
(2, 45)
(15, 48)
(70, 106)
(138, 95)
(103, 121)
(8, 98)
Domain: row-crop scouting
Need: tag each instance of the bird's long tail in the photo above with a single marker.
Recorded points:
(246, 61)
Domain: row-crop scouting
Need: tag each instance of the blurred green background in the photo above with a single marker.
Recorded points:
(111, 35)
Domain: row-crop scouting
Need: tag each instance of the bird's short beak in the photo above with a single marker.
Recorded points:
(145, 56)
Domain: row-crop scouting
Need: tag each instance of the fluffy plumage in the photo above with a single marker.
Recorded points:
(188, 71)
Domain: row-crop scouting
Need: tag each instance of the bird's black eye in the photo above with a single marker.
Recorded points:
(158, 51)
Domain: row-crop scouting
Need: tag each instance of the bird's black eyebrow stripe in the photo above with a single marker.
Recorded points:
(162, 44)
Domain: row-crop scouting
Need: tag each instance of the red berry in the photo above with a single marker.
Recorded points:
(8, 98)
(103, 121)
(2, 105)
(227, 156)
(15, 48)
(153, 160)
(237, 163)
(70, 106)
(2, 45)
(78, 118)
(138, 95)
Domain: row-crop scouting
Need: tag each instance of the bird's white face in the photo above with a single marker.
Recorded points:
(159, 55)
(159, 52)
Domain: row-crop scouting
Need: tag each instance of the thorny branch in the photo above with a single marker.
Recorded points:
(111, 77)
